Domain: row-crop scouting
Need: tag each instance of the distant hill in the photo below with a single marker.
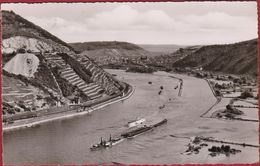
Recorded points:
(166, 61)
(237, 58)
(47, 69)
(113, 52)
(161, 48)
(87, 46)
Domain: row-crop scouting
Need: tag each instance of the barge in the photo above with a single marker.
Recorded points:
(130, 134)
(160, 123)
(137, 131)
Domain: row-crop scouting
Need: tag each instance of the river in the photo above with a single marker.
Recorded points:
(67, 141)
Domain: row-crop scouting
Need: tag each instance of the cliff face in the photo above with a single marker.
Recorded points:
(34, 57)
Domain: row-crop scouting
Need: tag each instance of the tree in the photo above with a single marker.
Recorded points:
(229, 107)
(218, 93)
(21, 51)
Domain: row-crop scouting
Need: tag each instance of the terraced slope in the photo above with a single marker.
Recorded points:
(49, 66)
(93, 90)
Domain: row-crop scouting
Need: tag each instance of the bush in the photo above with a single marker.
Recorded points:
(218, 93)
(232, 111)
(229, 107)
(219, 86)
(21, 51)
(246, 94)
(140, 69)
(199, 75)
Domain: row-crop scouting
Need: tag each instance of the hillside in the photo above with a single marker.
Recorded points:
(47, 69)
(166, 61)
(14, 25)
(87, 46)
(111, 53)
(237, 58)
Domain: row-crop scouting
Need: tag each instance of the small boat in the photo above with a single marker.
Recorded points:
(161, 107)
(176, 87)
(136, 122)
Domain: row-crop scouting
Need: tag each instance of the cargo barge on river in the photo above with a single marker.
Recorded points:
(130, 134)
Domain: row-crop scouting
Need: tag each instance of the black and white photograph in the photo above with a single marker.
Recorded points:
(130, 83)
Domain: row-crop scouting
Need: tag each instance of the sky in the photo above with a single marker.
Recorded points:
(181, 23)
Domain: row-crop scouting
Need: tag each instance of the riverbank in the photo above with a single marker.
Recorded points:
(33, 122)
(219, 98)
(219, 109)
(181, 84)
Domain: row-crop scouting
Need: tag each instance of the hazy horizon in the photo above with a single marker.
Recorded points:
(162, 43)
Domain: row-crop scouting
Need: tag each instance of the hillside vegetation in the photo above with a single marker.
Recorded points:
(237, 58)
(86, 46)
(112, 53)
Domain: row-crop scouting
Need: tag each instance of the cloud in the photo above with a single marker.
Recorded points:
(216, 20)
(59, 26)
(126, 18)
(121, 17)
(126, 23)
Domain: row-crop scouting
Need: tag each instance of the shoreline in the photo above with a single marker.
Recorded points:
(219, 98)
(68, 114)
(181, 84)
(180, 88)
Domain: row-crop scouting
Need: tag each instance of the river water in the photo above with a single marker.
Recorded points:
(67, 141)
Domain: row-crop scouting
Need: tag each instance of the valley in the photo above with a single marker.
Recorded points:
(59, 99)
